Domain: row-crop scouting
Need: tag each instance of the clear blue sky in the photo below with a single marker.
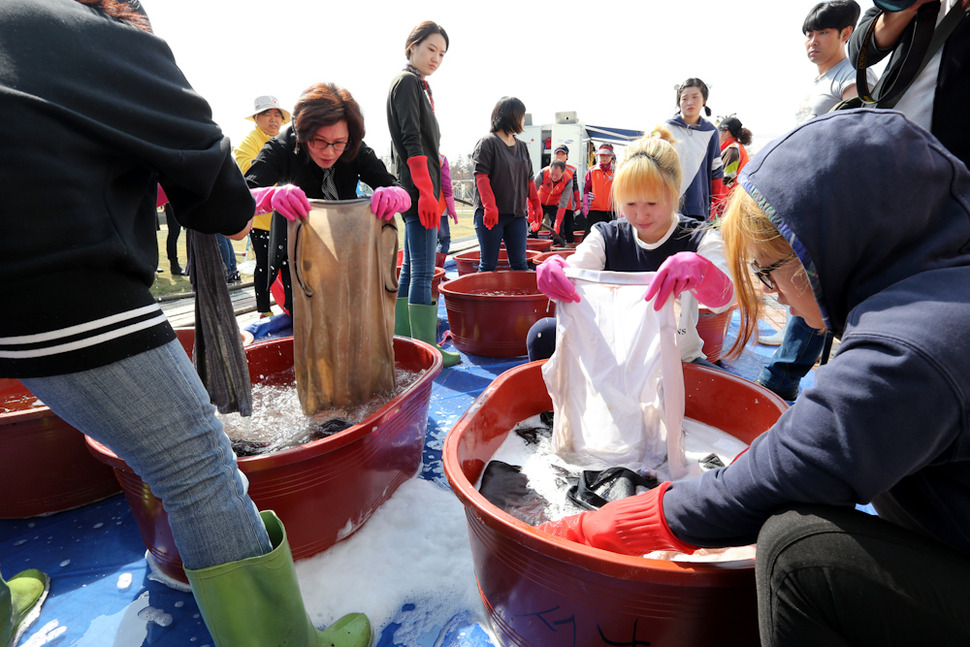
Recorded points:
(614, 66)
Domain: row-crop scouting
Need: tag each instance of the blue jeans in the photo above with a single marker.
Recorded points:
(153, 412)
(512, 230)
(793, 360)
(444, 234)
(228, 254)
(417, 268)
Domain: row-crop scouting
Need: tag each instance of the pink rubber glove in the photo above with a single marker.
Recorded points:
(553, 282)
(690, 271)
(631, 526)
(389, 200)
(587, 198)
(288, 200)
(454, 214)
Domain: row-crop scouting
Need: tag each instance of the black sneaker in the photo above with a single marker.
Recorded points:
(234, 277)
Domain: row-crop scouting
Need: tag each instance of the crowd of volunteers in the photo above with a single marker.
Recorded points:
(857, 220)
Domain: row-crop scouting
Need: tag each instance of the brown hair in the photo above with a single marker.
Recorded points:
(129, 12)
(422, 31)
(324, 104)
(746, 230)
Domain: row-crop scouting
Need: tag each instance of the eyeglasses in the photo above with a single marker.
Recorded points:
(764, 273)
(321, 145)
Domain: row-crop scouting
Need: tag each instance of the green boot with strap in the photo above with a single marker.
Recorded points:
(256, 602)
(20, 600)
(424, 326)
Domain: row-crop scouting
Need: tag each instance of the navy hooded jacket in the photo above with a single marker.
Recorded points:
(878, 213)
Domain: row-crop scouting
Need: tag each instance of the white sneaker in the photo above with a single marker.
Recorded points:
(773, 340)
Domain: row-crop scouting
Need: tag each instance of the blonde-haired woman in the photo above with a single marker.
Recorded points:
(649, 236)
(886, 421)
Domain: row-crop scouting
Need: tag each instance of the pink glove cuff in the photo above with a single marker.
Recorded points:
(552, 281)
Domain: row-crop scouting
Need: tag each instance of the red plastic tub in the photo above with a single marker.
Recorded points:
(490, 313)
(561, 251)
(325, 490)
(542, 591)
(712, 328)
(467, 262)
(578, 237)
(45, 466)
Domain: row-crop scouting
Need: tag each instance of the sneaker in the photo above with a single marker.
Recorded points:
(263, 315)
(234, 277)
(773, 340)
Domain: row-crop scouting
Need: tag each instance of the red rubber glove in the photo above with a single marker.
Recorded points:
(690, 271)
(553, 282)
(288, 200)
(631, 526)
(560, 214)
(577, 202)
(488, 200)
(389, 200)
(428, 212)
(719, 194)
(534, 207)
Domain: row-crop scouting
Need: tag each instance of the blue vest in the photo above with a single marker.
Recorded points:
(623, 254)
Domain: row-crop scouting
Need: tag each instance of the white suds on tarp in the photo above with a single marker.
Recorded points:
(414, 550)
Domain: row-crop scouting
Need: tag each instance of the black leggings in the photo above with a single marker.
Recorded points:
(259, 238)
(836, 576)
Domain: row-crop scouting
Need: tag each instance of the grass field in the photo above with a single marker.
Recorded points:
(166, 283)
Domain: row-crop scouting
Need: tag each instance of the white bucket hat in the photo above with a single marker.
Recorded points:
(268, 102)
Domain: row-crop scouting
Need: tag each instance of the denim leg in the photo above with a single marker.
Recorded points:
(404, 279)
(228, 254)
(489, 241)
(444, 234)
(420, 244)
(794, 358)
(153, 411)
(515, 233)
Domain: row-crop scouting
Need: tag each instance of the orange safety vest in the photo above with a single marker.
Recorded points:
(602, 189)
(550, 193)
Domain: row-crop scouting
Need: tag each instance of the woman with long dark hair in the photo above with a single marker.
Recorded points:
(415, 136)
(103, 116)
(506, 195)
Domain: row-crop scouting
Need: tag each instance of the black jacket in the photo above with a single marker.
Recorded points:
(98, 114)
(414, 132)
(281, 163)
(952, 98)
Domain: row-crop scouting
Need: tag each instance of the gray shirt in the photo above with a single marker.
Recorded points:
(509, 170)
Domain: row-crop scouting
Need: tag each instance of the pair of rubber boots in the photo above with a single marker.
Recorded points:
(256, 602)
(20, 600)
(421, 322)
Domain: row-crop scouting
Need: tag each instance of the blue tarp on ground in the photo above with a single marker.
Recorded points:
(101, 593)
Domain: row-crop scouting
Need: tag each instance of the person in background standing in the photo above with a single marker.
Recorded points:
(597, 188)
(734, 138)
(699, 150)
(506, 195)
(269, 118)
(447, 206)
(415, 137)
(574, 208)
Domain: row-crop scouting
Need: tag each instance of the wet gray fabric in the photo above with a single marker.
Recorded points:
(218, 353)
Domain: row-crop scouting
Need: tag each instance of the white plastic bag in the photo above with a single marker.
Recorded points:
(616, 380)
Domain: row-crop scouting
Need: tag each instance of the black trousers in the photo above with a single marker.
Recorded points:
(594, 217)
(259, 238)
(566, 231)
(836, 576)
(172, 239)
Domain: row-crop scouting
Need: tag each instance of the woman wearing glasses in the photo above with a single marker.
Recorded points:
(888, 420)
(650, 237)
(321, 155)
(414, 133)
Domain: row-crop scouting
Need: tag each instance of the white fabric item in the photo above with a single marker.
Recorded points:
(616, 379)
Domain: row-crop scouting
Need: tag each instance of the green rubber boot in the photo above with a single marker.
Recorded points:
(256, 602)
(424, 326)
(402, 321)
(20, 601)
